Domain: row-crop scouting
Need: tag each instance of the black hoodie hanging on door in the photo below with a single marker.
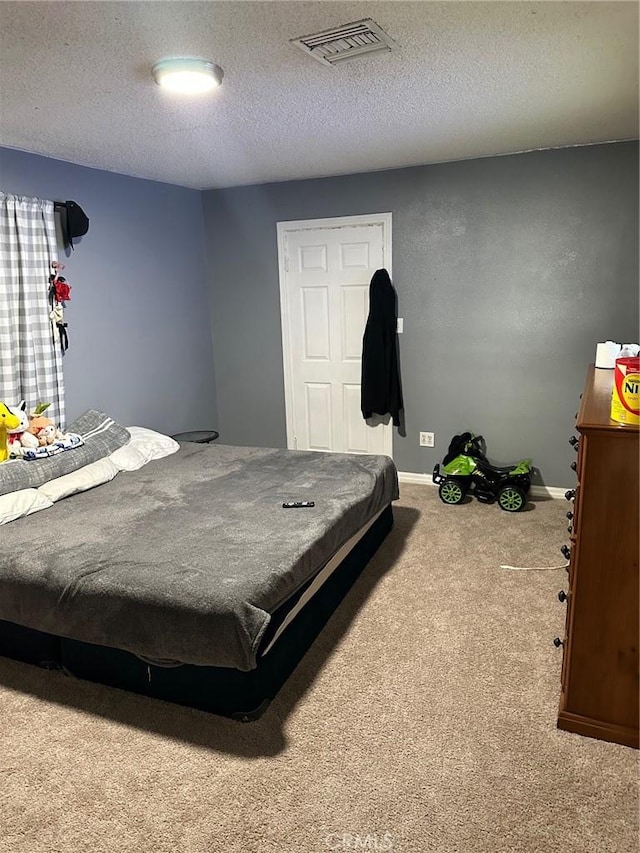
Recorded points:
(380, 389)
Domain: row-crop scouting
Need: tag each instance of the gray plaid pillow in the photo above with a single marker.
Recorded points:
(101, 434)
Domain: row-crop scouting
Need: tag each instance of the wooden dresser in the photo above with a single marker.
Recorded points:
(600, 681)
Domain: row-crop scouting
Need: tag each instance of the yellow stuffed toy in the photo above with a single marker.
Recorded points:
(7, 421)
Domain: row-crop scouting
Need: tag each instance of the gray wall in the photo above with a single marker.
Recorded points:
(508, 271)
(140, 337)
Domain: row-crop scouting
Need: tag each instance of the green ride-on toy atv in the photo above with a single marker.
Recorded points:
(465, 469)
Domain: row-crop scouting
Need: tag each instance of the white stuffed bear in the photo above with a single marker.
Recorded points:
(48, 434)
(19, 438)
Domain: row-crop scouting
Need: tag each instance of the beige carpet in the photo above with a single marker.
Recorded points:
(423, 719)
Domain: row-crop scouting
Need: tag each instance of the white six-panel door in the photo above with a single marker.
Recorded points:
(325, 270)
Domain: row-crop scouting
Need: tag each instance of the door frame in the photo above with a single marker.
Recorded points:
(282, 229)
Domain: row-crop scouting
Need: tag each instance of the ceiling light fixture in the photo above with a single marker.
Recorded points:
(188, 76)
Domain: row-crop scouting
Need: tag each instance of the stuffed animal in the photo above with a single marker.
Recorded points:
(43, 429)
(18, 438)
(59, 293)
(48, 434)
(7, 421)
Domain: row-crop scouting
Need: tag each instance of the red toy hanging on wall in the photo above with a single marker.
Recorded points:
(59, 293)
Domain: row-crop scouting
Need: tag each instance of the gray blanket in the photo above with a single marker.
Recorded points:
(101, 435)
(187, 558)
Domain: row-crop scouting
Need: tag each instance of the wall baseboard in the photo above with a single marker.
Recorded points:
(536, 491)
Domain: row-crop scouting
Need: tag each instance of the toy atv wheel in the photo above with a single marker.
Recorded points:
(511, 498)
(452, 492)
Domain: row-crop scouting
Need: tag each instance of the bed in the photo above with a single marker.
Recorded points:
(187, 580)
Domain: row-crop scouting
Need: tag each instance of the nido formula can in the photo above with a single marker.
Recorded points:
(625, 398)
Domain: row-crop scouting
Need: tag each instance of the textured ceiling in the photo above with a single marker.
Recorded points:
(469, 79)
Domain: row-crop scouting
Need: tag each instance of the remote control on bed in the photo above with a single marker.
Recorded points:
(297, 504)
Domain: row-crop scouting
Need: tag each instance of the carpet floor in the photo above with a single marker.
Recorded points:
(422, 719)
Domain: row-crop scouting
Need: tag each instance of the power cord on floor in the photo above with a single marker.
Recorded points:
(535, 568)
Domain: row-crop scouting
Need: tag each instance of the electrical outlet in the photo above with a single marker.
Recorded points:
(427, 439)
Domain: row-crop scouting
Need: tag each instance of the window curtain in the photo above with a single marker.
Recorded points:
(30, 360)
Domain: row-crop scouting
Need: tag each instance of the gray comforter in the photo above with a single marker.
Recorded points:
(186, 558)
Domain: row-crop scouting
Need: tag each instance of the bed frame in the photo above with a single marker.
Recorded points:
(240, 695)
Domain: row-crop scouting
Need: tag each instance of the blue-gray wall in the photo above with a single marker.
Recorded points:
(139, 330)
(508, 271)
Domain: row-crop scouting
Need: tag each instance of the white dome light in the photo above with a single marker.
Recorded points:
(188, 76)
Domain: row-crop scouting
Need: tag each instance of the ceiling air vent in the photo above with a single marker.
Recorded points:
(346, 42)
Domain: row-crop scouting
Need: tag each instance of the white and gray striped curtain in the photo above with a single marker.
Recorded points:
(30, 359)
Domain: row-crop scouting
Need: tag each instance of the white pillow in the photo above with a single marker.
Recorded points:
(21, 503)
(93, 474)
(145, 445)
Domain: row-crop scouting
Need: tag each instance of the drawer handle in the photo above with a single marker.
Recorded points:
(574, 466)
(566, 552)
(558, 642)
(570, 529)
(569, 515)
(570, 494)
(562, 596)
(574, 442)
